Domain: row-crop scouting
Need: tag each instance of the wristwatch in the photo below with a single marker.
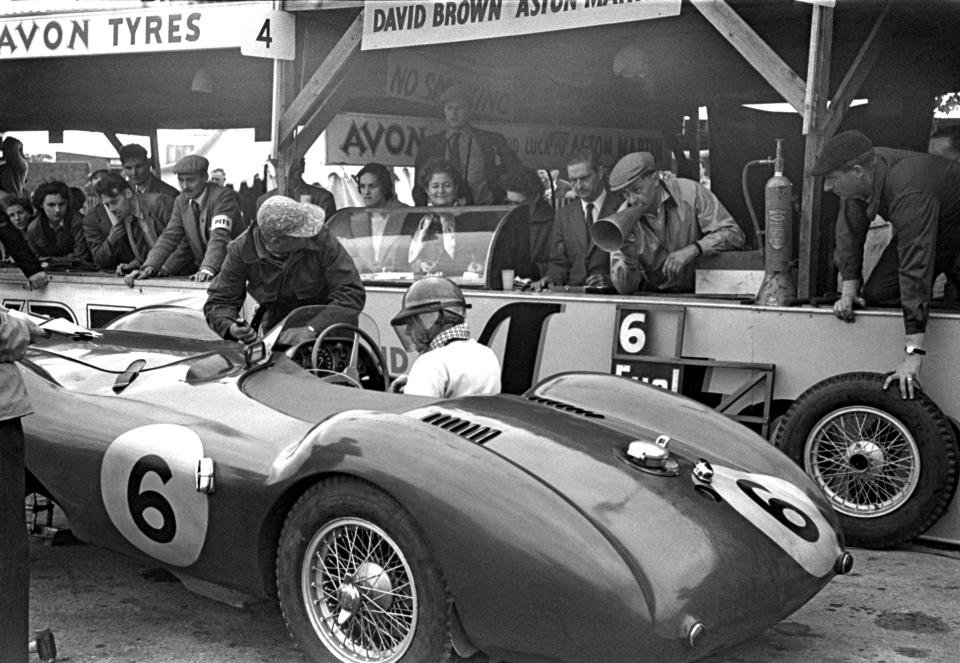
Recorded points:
(914, 350)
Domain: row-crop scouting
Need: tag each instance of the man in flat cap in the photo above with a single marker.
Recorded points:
(481, 156)
(678, 222)
(205, 218)
(286, 260)
(919, 194)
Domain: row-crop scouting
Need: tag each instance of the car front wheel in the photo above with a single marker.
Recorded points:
(356, 581)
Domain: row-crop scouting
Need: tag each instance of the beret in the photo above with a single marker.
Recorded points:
(629, 168)
(192, 163)
(279, 215)
(840, 150)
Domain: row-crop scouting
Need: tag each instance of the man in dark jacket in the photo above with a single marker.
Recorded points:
(919, 195)
(286, 260)
(17, 248)
(481, 156)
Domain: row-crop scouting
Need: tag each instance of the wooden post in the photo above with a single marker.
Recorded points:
(14, 554)
(814, 110)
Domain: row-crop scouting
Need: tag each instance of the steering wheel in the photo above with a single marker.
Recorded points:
(351, 374)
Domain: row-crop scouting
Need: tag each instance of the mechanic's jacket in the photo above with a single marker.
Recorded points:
(321, 273)
(14, 339)
(188, 243)
(919, 194)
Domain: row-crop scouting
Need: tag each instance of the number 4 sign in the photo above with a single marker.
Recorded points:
(270, 35)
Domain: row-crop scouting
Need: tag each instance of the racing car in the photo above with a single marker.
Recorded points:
(593, 518)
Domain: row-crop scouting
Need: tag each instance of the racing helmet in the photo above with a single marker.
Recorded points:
(429, 306)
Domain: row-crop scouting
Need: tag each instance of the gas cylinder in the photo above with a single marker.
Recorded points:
(779, 284)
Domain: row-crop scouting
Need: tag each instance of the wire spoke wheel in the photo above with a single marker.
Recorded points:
(865, 460)
(359, 592)
(888, 465)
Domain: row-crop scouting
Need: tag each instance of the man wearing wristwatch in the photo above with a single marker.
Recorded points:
(919, 194)
(286, 260)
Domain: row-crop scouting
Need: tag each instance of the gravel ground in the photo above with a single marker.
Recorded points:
(897, 607)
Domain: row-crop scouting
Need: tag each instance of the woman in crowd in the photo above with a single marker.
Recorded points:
(20, 210)
(379, 243)
(56, 233)
(524, 187)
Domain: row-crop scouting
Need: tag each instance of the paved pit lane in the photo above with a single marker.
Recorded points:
(897, 607)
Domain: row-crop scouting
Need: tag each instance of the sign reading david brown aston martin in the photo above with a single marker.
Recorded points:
(403, 23)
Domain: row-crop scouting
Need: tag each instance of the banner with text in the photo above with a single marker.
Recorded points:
(157, 28)
(397, 23)
(358, 139)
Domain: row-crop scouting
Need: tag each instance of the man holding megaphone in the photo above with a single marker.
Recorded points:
(666, 224)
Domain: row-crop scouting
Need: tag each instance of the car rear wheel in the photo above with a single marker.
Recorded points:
(357, 582)
(887, 465)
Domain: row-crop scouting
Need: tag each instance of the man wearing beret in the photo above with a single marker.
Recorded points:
(919, 194)
(286, 260)
(481, 156)
(679, 221)
(205, 218)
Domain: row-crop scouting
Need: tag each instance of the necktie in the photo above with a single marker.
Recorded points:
(589, 215)
(454, 149)
(195, 208)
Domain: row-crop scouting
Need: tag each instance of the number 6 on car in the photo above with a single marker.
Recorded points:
(148, 486)
(784, 513)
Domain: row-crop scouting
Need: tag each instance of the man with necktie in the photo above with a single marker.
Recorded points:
(205, 218)
(481, 157)
(575, 259)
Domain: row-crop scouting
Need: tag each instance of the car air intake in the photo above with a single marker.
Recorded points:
(566, 407)
(462, 427)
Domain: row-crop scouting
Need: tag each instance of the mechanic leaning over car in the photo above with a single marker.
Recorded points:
(287, 259)
(15, 335)
(432, 321)
(919, 194)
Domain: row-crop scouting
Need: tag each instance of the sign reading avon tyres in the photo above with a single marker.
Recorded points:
(395, 23)
(158, 28)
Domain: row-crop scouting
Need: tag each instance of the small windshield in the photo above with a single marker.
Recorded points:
(405, 243)
(320, 318)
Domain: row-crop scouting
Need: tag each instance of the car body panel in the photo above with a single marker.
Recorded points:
(543, 529)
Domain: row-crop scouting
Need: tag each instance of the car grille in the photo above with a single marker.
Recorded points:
(566, 407)
(463, 427)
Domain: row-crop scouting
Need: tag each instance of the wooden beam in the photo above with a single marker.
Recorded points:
(756, 51)
(324, 80)
(114, 141)
(855, 76)
(818, 82)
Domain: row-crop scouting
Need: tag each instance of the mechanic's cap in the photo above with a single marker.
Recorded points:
(192, 163)
(630, 168)
(430, 293)
(279, 215)
(843, 149)
(455, 93)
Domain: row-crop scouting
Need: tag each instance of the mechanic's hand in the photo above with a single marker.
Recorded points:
(295, 336)
(202, 275)
(396, 387)
(243, 332)
(147, 272)
(542, 284)
(36, 332)
(124, 268)
(598, 281)
(843, 307)
(37, 281)
(906, 374)
(677, 260)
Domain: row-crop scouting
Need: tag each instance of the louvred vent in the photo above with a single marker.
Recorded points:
(566, 407)
(463, 427)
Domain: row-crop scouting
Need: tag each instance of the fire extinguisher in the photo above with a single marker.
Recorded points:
(779, 284)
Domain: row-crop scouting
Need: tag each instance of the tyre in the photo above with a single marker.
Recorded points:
(356, 581)
(888, 466)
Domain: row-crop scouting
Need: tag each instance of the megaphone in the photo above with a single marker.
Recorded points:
(610, 232)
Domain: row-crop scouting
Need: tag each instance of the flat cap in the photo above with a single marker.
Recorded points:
(192, 163)
(455, 93)
(840, 150)
(630, 168)
(279, 215)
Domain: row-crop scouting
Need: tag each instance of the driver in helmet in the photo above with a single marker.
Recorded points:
(285, 260)
(432, 321)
